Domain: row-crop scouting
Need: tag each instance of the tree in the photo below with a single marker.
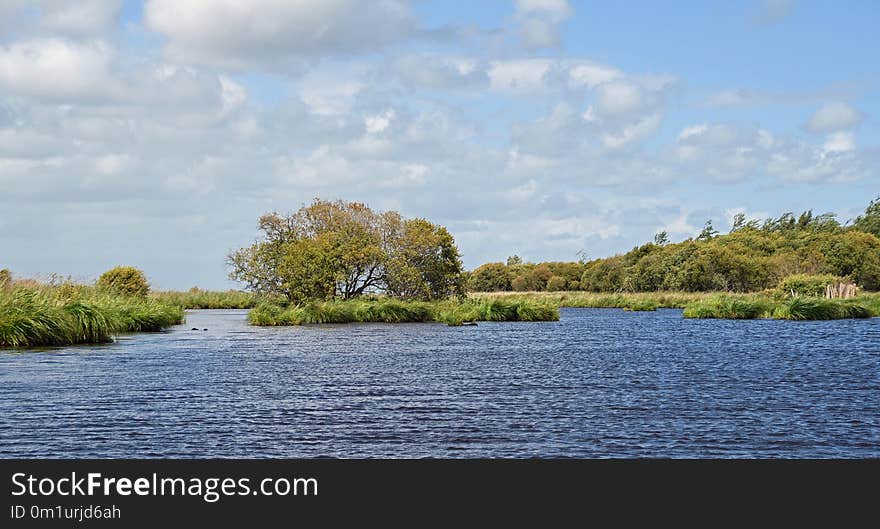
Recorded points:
(739, 222)
(424, 263)
(870, 221)
(514, 260)
(661, 239)
(125, 280)
(556, 283)
(5, 278)
(345, 249)
(490, 277)
(708, 232)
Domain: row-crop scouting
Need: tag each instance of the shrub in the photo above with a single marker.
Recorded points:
(124, 280)
(807, 285)
(556, 283)
(5, 278)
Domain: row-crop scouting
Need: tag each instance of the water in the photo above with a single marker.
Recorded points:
(598, 383)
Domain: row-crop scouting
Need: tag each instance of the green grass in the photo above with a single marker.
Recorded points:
(767, 304)
(196, 298)
(793, 308)
(70, 314)
(385, 310)
(729, 307)
(592, 300)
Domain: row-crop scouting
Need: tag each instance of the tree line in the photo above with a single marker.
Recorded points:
(754, 255)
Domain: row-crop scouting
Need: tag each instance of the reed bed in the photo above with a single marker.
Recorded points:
(636, 301)
(767, 304)
(209, 299)
(385, 310)
(68, 314)
(793, 308)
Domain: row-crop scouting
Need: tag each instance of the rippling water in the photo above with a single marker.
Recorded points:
(598, 383)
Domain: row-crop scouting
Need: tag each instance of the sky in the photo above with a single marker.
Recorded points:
(154, 133)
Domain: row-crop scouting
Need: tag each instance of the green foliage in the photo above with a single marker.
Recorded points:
(5, 278)
(870, 221)
(74, 314)
(343, 250)
(795, 308)
(728, 307)
(490, 277)
(125, 281)
(556, 283)
(645, 305)
(806, 284)
(856, 255)
(803, 308)
(706, 305)
(754, 256)
(388, 310)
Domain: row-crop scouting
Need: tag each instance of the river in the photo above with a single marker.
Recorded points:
(597, 383)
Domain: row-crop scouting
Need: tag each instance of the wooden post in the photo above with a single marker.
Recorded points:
(841, 290)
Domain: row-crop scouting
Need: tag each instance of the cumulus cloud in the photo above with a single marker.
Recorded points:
(834, 117)
(273, 33)
(539, 21)
(57, 69)
(436, 71)
(82, 18)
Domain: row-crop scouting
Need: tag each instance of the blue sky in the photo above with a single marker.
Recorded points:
(155, 133)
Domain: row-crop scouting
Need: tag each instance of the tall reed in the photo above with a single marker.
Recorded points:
(387, 310)
(72, 314)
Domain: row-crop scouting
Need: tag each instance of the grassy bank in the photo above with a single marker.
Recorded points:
(208, 299)
(639, 301)
(768, 304)
(67, 314)
(383, 310)
(795, 308)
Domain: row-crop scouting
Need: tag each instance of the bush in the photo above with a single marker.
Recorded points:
(556, 283)
(807, 285)
(5, 278)
(490, 277)
(124, 280)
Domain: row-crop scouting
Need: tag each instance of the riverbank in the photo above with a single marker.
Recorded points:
(709, 304)
(196, 298)
(69, 314)
(384, 310)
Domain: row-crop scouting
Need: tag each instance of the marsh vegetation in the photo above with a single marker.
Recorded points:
(67, 314)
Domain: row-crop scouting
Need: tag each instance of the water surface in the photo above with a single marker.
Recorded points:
(598, 383)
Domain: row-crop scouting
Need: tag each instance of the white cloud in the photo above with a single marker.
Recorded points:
(80, 18)
(377, 123)
(834, 117)
(271, 33)
(57, 69)
(591, 74)
(440, 72)
(841, 141)
(539, 21)
(521, 76)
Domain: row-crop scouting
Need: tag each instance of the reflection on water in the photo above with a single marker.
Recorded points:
(598, 383)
